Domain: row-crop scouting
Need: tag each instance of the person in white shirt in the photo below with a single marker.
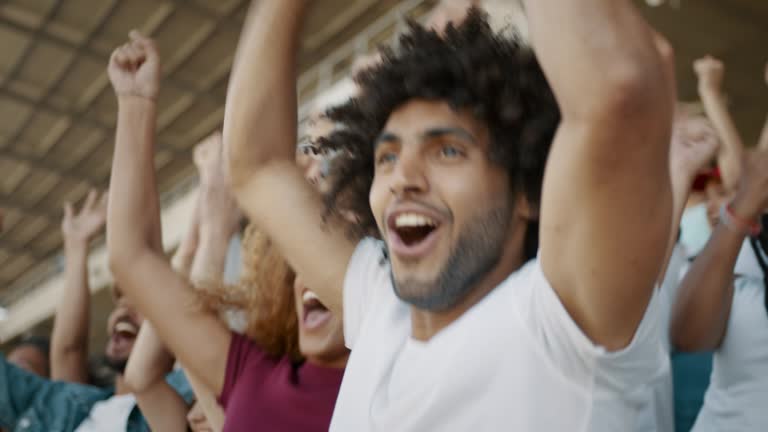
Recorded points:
(454, 320)
(719, 310)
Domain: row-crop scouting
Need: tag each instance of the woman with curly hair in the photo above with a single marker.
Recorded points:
(286, 372)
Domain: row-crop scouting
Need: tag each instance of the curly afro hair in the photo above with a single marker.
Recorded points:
(495, 77)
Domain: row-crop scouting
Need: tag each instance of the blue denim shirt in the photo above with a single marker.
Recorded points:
(29, 403)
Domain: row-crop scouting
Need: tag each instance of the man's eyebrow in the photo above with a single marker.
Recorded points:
(385, 137)
(455, 131)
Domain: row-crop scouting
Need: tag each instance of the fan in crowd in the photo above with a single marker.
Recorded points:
(501, 214)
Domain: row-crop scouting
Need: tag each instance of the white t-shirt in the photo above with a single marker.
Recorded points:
(659, 413)
(514, 361)
(746, 263)
(109, 415)
(737, 397)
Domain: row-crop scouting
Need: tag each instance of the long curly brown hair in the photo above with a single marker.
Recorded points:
(265, 293)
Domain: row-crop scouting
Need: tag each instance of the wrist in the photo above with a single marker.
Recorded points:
(126, 99)
(214, 234)
(745, 206)
(740, 217)
(75, 243)
(709, 89)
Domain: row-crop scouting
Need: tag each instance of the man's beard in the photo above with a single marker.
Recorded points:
(476, 253)
(115, 365)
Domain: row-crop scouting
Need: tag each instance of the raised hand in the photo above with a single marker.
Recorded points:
(694, 144)
(217, 204)
(766, 74)
(710, 72)
(752, 194)
(82, 226)
(134, 68)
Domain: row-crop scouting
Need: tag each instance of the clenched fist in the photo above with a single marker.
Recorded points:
(710, 72)
(134, 68)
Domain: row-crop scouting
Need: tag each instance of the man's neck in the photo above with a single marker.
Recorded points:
(426, 324)
(120, 386)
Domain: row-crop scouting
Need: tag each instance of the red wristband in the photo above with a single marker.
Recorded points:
(752, 228)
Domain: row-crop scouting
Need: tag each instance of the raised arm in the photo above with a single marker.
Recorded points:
(762, 143)
(260, 140)
(607, 203)
(692, 147)
(163, 408)
(144, 274)
(710, 72)
(69, 342)
(700, 315)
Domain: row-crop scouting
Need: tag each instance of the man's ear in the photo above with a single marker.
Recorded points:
(525, 210)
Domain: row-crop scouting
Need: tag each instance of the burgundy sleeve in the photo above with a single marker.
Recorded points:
(242, 353)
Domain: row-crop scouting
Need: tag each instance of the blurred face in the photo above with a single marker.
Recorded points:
(31, 359)
(450, 12)
(196, 419)
(122, 329)
(443, 208)
(321, 334)
(716, 197)
(309, 156)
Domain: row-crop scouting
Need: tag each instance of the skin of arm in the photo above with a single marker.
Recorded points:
(69, 341)
(145, 275)
(612, 129)
(163, 408)
(260, 142)
(700, 315)
(710, 72)
(762, 143)
(690, 151)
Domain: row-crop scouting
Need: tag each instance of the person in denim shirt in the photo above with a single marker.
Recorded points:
(29, 403)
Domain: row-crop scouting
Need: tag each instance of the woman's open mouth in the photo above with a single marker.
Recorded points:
(315, 314)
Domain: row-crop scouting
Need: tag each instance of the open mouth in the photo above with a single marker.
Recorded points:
(412, 235)
(124, 331)
(315, 314)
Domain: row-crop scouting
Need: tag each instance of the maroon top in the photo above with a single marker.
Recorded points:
(272, 394)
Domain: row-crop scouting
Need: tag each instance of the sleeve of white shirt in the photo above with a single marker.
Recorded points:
(366, 272)
(575, 354)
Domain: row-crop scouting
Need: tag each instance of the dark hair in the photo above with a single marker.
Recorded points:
(760, 247)
(495, 77)
(41, 343)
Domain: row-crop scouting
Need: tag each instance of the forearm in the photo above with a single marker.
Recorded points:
(762, 143)
(623, 54)
(163, 408)
(150, 361)
(681, 189)
(211, 257)
(185, 254)
(700, 315)
(133, 203)
(69, 341)
(730, 154)
(261, 108)
(211, 408)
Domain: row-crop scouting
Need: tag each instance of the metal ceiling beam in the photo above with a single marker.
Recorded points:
(87, 51)
(35, 39)
(43, 165)
(41, 104)
(11, 203)
(79, 117)
(5, 246)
